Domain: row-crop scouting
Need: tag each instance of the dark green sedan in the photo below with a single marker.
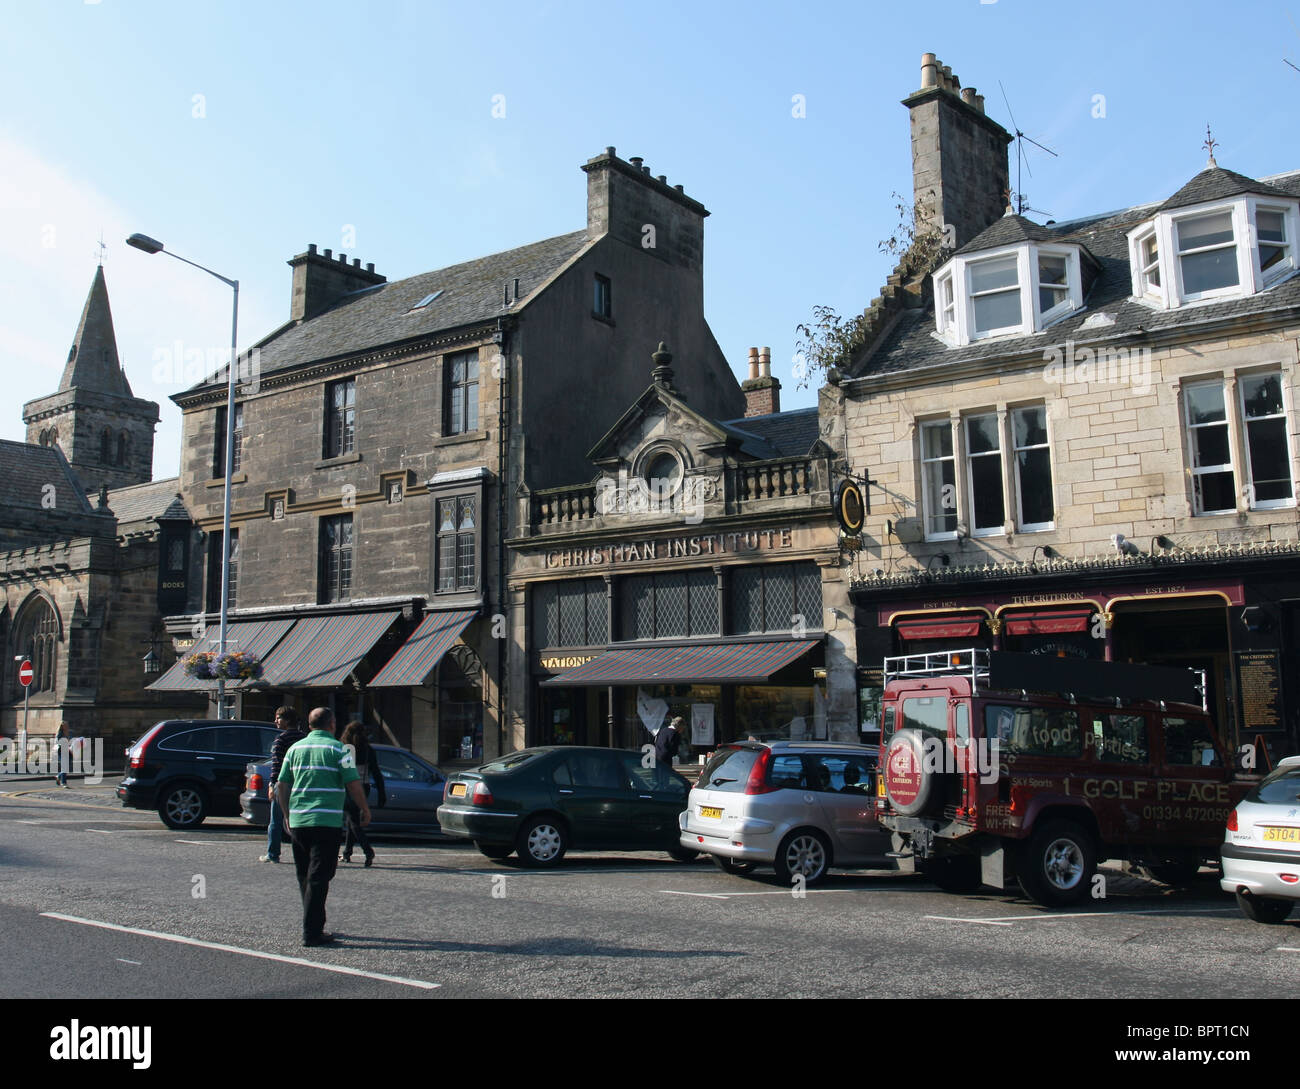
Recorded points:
(542, 802)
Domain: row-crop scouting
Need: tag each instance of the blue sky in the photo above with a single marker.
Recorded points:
(239, 132)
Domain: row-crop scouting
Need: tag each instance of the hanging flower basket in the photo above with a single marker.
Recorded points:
(237, 665)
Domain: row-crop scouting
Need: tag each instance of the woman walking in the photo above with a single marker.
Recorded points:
(354, 736)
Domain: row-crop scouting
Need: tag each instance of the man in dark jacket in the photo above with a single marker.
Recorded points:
(287, 719)
(668, 741)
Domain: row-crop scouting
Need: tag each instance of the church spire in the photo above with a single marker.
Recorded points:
(92, 361)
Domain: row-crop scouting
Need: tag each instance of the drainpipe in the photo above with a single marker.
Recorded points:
(503, 481)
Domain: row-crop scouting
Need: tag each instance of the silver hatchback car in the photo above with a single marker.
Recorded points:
(1261, 846)
(798, 806)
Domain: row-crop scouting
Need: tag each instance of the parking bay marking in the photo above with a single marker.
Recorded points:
(765, 892)
(182, 940)
(1009, 920)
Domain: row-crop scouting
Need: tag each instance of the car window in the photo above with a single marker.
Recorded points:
(244, 741)
(929, 714)
(561, 774)
(788, 772)
(845, 774)
(1189, 743)
(509, 763)
(728, 770)
(400, 768)
(1118, 739)
(596, 769)
(654, 777)
(1033, 731)
(204, 740)
(1281, 787)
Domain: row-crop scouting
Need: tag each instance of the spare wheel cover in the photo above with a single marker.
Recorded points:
(908, 783)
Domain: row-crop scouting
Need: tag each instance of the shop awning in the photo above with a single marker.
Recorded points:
(940, 627)
(258, 636)
(1048, 621)
(710, 663)
(322, 650)
(420, 654)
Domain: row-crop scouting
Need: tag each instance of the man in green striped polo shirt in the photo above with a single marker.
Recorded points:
(317, 774)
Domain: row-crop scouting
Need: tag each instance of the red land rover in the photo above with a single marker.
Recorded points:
(987, 776)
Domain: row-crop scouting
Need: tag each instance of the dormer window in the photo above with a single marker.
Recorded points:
(1010, 291)
(1232, 249)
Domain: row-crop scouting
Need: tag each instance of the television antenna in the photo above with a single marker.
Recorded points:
(1022, 162)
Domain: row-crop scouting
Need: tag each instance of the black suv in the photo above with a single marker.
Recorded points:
(189, 769)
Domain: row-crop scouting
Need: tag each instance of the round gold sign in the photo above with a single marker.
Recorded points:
(849, 508)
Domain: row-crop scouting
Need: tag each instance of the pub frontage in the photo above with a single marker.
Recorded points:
(700, 574)
(1232, 613)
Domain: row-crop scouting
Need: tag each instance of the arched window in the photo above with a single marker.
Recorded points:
(106, 446)
(38, 639)
(123, 446)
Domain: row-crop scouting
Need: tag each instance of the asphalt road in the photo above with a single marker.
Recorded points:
(98, 901)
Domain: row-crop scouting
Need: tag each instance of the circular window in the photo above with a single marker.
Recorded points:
(663, 473)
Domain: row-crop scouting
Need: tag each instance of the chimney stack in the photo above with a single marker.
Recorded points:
(959, 155)
(762, 391)
(320, 280)
(623, 198)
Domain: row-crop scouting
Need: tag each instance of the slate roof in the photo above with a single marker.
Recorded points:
(471, 292)
(1215, 183)
(1109, 309)
(778, 434)
(1007, 231)
(140, 505)
(26, 469)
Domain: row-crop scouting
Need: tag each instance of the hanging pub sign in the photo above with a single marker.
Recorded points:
(850, 509)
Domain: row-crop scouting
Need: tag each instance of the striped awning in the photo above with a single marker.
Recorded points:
(708, 663)
(322, 650)
(420, 654)
(258, 636)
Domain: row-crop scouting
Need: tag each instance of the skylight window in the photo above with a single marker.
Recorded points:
(426, 300)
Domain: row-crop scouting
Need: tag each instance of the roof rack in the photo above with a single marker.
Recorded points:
(972, 663)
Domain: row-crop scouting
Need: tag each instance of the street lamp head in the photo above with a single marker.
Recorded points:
(144, 242)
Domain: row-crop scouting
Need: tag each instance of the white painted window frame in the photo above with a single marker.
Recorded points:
(1021, 525)
(1283, 415)
(1191, 429)
(932, 534)
(970, 456)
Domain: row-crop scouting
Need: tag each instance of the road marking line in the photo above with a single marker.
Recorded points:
(181, 940)
(705, 895)
(1007, 920)
(765, 892)
(1287, 949)
(101, 831)
(125, 961)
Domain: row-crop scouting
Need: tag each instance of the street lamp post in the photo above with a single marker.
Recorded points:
(150, 245)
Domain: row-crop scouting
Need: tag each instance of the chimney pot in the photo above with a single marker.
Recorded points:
(343, 258)
(765, 363)
(370, 266)
(946, 73)
(929, 71)
(753, 362)
(610, 152)
(636, 161)
(680, 188)
(329, 254)
(663, 178)
(979, 103)
(356, 262)
(311, 247)
(968, 95)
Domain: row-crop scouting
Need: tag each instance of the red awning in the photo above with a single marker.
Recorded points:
(940, 627)
(1048, 622)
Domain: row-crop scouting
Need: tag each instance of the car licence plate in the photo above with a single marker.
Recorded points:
(458, 790)
(711, 811)
(1281, 835)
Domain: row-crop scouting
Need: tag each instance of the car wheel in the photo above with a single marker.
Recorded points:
(542, 842)
(1263, 909)
(731, 866)
(1057, 865)
(1177, 874)
(183, 806)
(959, 873)
(682, 854)
(495, 850)
(803, 852)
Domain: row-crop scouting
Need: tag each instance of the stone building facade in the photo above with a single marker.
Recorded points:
(86, 583)
(1082, 437)
(699, 573)
(384, 433)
